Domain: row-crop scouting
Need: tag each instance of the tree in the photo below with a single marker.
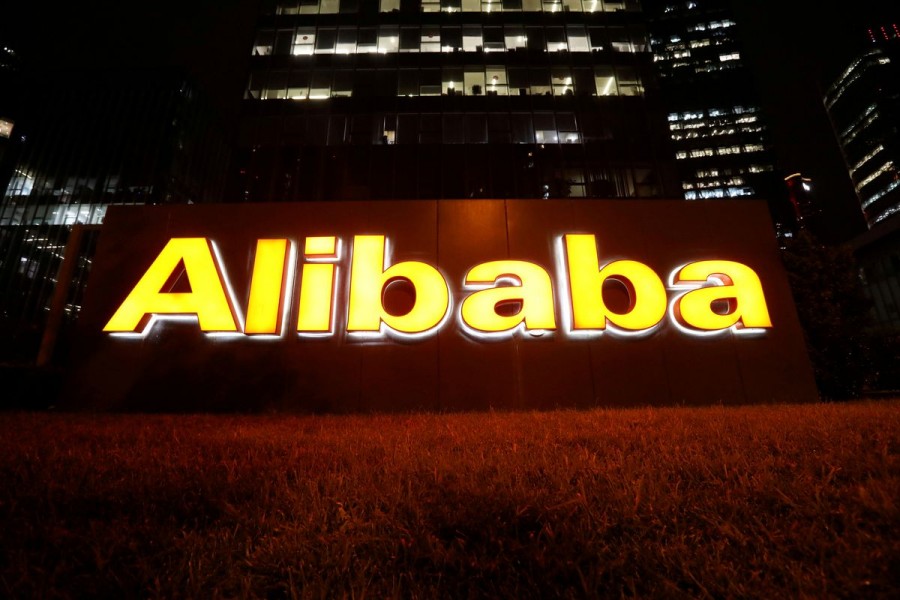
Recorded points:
(834, 313)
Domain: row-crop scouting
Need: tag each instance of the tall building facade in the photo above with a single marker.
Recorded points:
(717, 130)
(864, 106)
(431, 99)
(10, 106)
(863, 103)
(87, 141)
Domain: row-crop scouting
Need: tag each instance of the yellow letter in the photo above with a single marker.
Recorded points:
(317, 286)
(368, 279)
(647, 292)
(267, 288)
(534, 291)
(740, 286)
(207, 298)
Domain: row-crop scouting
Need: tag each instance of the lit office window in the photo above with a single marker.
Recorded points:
(6, 128)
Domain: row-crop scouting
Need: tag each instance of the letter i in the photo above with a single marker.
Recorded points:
(267, 288)
(315, 313)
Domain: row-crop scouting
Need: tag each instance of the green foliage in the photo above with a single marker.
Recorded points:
(834, 313)
(762, 502)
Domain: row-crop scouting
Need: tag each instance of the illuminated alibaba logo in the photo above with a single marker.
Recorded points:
(503, 296)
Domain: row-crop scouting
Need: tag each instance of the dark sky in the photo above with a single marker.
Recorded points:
(794, 46)
(210, 39)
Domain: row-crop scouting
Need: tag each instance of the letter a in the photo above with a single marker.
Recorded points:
(207, 299)
(534, 291)
(738, 285)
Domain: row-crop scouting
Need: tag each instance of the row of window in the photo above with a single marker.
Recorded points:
(53, 214)
(449, 81)
(720, 151)
(314, 7)
(389, 39)
(440, 171)
(679, 57)
(887, 167)
(715, 132)
(720, 192)
(435, 128)
(746, 114)
(734, 172)
(712, 183)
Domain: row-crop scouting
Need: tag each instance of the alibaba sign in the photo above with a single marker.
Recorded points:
(702, 297)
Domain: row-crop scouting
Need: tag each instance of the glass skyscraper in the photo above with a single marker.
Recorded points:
(716, 126)
(864, 106)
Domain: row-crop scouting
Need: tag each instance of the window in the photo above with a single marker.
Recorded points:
(578, 40)
(265, 41)
(540, 82)
(367, 40)
(431, 39)
(496, 81)
(521, 128)
(452, 83)
(493, 39)
(320, 88)
(568, 132)
(298, 85)
(451, 39)
(346, 42)
(561, 79)
(275, 87)
(343, 84)
(388, 39)
(556, 40)
(326, 40)
(409, 39)
(283, 41)
(596, 39)
(629, 83)
(514, 37)
(605, 81)
(304, 41)
(429, 82)
(472, 41)
(473, 81)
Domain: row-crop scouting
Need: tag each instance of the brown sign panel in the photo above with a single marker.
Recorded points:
(437, 305)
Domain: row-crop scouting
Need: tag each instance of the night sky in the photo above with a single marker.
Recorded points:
(794, 45)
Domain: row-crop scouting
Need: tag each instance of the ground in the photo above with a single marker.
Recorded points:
(764, 501)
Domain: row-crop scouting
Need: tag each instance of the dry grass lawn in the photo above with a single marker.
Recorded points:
(766, 502)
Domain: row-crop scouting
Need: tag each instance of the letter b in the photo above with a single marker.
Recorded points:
(368, 279)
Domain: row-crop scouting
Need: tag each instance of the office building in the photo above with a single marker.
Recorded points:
(426, 99)
(864, 105)
(863, 102)
(87, 141)
(9, 109)
(717, 129)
